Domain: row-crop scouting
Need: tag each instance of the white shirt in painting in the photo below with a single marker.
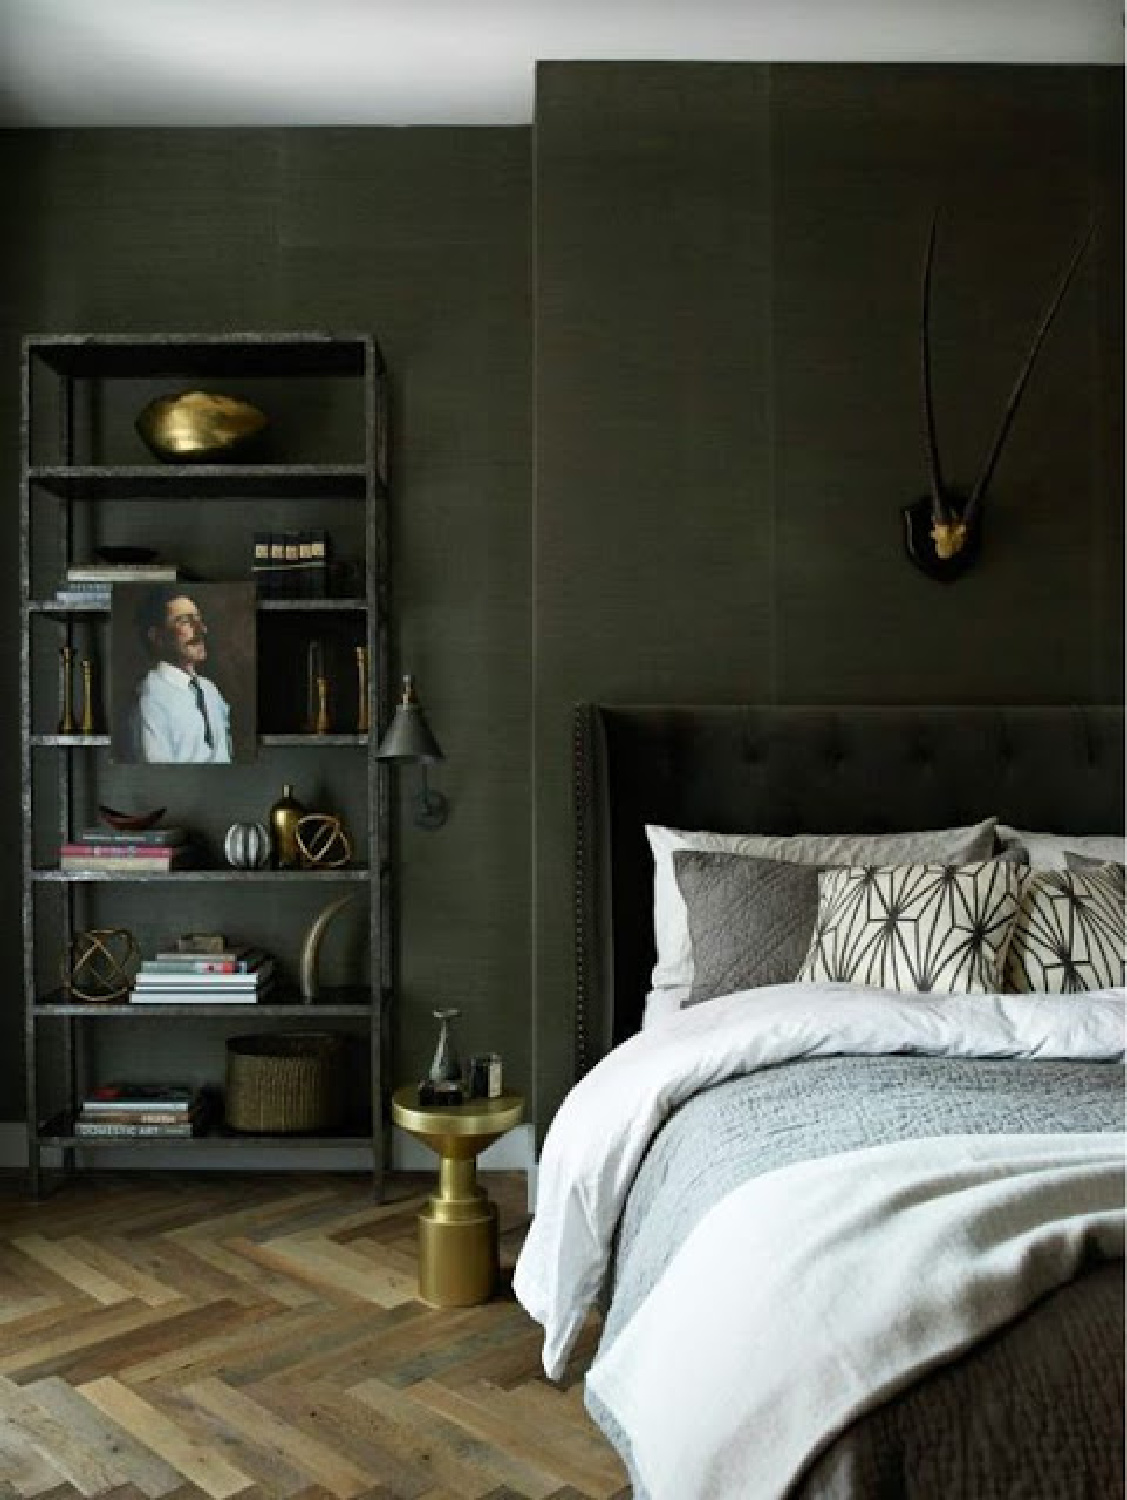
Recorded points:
(180, 716)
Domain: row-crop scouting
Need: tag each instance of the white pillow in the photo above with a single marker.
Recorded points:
(663, 1003)
(1047, 851)
(674, 964)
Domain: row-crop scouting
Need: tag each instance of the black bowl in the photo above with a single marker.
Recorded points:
(129, 822)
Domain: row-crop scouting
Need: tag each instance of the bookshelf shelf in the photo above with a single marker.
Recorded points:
(182, 877)
(346, 1002)
(199, 481)
(267, 741)
(54, 609)
(59, 1131)
(88, 483)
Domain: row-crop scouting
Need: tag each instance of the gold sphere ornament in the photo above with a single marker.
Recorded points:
(100, 964)
(322, 841)
(198, 427)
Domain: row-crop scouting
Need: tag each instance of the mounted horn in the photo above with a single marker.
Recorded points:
(943, 530)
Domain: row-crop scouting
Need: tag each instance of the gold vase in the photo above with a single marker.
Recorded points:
(199, 427)
(66, 715)
(283, 818)
(88, 725)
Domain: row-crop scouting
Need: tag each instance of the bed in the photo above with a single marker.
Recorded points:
(850, 1238)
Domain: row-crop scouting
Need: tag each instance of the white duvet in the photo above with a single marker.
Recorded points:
(600, 1134)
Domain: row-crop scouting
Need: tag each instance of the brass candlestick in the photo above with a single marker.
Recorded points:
(322, 724)
(88, 696)
(314, 668)
(362, 716)
(66, 663)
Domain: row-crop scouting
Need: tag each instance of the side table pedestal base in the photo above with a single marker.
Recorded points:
(457, 1259)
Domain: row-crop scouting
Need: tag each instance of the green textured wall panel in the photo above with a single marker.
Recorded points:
(422, 237)
(728, 420)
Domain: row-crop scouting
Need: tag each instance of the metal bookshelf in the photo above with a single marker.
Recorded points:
(71, 386)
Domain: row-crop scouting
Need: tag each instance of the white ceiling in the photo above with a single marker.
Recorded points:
(399, 62)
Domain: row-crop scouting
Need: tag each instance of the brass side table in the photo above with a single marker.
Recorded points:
(458, 1259)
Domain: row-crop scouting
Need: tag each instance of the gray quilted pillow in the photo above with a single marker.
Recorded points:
(750, 920)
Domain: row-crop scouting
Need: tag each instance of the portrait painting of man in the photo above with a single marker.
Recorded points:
(183, 673)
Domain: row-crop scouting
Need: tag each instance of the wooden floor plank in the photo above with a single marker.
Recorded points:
(100, 1436)
(322, 1416)
(262, 1334)
(113, 1256)
(263, 1284)
(90, 1471)
(261, 1427)
(522, 1450)
(199, 1465)
(332, 1268)
(462, 1467)
(271, 1474)
(25, 1469)
(72, 1333)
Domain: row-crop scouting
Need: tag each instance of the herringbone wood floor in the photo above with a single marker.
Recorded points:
(181, 1335)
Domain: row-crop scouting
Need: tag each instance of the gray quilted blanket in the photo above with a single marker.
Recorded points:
(1034, 1411)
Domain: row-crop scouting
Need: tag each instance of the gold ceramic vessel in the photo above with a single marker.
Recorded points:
(198, 427)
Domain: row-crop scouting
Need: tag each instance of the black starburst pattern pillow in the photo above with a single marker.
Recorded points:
(929, 927)
(1070, 932)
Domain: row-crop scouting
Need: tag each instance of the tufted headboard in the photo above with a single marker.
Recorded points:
(794, 770)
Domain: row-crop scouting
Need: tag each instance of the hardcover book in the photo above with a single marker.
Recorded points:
(148, 861)
(118, 1096)
(125, 1129)
(185, 964)
(157, 979)
(147, 837)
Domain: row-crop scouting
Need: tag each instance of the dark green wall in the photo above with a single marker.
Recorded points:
(721, 376)
(727, 280)
(421, 236)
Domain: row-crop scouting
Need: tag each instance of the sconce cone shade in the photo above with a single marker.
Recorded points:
(409, 736)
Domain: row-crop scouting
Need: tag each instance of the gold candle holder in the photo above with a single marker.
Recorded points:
(88, 726)
(362, 716)
(314, 670)
(66, 665)
(323, 724)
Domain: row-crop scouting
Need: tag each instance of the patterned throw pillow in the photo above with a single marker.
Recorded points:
(1070, 932)
(928, 927)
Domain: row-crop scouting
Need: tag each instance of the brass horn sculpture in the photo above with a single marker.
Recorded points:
(943, 529)
(311, 947)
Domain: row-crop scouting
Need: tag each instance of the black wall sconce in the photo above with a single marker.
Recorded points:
(409, 740)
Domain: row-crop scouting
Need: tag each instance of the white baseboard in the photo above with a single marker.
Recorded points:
(514, 1152)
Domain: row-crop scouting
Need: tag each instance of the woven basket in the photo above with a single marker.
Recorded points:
(288, 1084)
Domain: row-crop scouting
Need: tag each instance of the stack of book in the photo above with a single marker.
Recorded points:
(91, 584)
(133, 1109)
(291, 564)
(137, 851)
(240, 976)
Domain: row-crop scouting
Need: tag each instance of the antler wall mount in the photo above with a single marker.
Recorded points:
(943, 529)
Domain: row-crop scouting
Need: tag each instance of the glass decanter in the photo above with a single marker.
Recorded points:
(445, 1066)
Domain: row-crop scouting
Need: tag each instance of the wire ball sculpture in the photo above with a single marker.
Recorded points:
(100, 964)
(322, 841)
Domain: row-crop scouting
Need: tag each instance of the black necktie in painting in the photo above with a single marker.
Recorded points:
(202, 706)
